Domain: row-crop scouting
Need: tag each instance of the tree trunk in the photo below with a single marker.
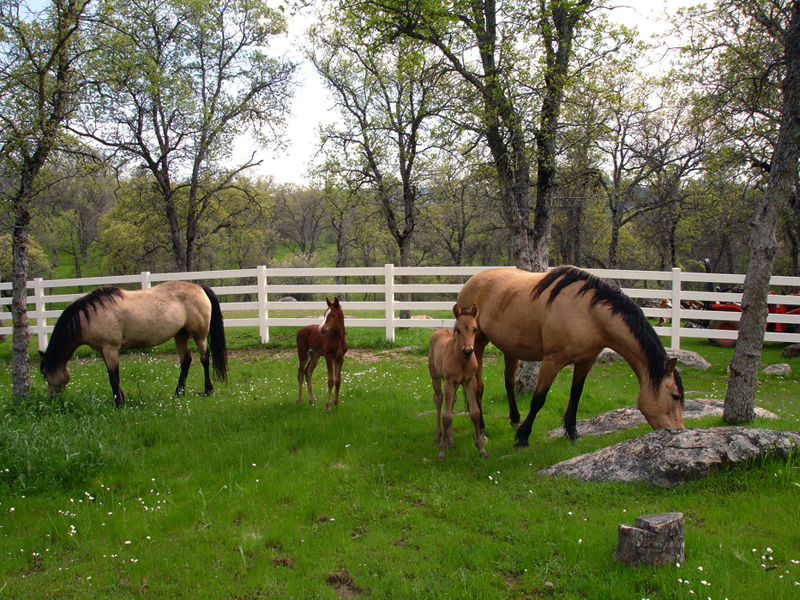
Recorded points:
(20, 371)
(740, 395)
(405, 261)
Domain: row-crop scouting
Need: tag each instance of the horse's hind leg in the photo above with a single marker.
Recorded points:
(331, 364)
(337, 379)
(185, 358)
(205, 360)
(308, 370)
(580, 372)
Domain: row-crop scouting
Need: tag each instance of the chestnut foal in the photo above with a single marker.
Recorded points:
(326, 340)
(451, 358)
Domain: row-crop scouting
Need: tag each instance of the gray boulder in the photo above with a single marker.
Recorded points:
(631, 416)
(670, 457)
(685, 358)
(778, 369)
(791, 351)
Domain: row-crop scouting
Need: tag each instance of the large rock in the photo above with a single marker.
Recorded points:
(686, 358)
(670, 457)
(778, 369)
(631, 416)
(791, 351)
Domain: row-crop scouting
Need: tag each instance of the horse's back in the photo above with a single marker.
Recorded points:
(150, 317)
(528, 327)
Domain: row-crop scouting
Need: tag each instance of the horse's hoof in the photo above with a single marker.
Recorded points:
(521, 444)
(441, 457)
(515, 424)
(484, 454)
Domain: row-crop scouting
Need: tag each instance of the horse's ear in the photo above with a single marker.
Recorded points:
(671, 364)
(456, 311)
(328, 300)
(474, 310)
(336, 302)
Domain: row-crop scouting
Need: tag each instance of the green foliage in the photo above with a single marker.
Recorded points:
(38, 263)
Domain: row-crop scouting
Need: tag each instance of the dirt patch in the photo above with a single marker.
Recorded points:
(343, 583)
(365, 355)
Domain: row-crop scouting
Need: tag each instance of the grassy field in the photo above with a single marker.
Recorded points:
(247, 494)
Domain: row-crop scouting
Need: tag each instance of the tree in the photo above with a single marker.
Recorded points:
(40, 56)
(758, 45)
(740, 395)
(73, 205)
(389, 98)
(177, 80)
(503, 89)
(300, 218)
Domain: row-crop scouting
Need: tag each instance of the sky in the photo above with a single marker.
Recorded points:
(312, 105)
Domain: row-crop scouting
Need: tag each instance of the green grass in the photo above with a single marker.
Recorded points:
(247, 494)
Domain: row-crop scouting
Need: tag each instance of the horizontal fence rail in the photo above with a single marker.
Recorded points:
(685, 305)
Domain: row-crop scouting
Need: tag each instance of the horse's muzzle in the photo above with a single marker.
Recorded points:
(467, 352)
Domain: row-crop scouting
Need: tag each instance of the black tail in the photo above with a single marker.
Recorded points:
(216, 338)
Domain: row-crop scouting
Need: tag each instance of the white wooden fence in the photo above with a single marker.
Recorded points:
(259, 290)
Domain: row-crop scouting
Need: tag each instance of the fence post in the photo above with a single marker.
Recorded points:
(145, 280)
(676, 309)
(388, 282)
(41, 322)
(263, 314)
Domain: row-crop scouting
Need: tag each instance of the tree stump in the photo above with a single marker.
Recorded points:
(653, 540)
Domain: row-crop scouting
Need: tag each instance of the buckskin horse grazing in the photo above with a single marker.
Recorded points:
(451, 358)
(567, 316)
(326, 340)
(110, 319)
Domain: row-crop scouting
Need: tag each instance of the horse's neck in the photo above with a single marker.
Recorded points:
(631, 350)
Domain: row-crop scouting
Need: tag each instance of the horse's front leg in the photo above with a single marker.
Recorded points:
(510, 378)
(330, 362)
(547, 374)
(111, 358)
(450, 391)
(438, 396)
(579, 374)
(479, 347)
(470, 390)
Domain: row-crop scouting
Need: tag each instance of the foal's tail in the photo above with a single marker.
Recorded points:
(216, 338)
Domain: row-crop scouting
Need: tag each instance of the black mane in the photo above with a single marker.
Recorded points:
(67, 329)
(612, 297)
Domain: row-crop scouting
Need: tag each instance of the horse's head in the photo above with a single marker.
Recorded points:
(57, 377)
(663, 407)
(333, 318)
(465, 329)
